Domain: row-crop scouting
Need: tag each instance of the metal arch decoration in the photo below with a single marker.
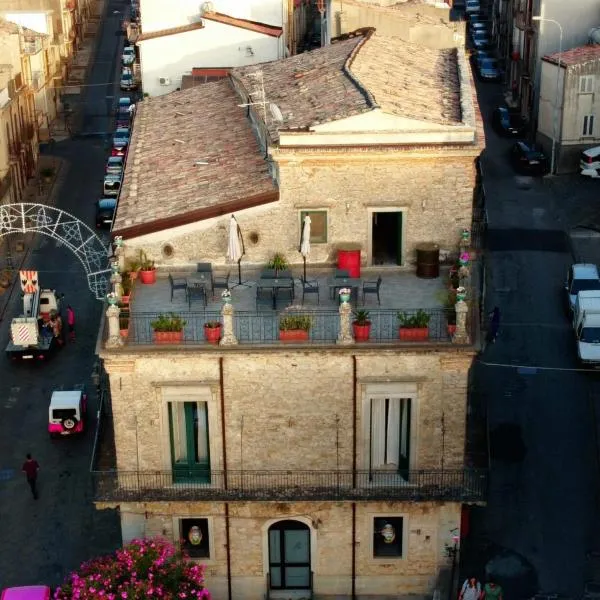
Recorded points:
(67, 229)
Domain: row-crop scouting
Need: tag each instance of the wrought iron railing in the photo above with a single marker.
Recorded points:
(262, 327)
(462, 485)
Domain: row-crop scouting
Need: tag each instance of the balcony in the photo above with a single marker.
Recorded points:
(464, 485)
(31, 46)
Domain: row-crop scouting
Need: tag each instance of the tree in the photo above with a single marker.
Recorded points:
(144, 568)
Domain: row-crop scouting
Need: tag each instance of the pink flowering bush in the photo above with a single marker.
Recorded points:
(148, 568)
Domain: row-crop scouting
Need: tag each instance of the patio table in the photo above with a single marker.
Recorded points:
(274, 285)
(195, 283)
(337, 283)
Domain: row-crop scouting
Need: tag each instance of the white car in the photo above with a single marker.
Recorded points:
(590, 162)
(581, 277)
(128, 56)
(472, 6)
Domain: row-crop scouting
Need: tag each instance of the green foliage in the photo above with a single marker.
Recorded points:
(294, 322)
(418, 320)
(144, 262)
(212, 324)
(278, 262)
(168, 322)
(361, 317)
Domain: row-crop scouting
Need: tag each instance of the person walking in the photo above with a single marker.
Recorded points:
(471, 589)
(494, 325)
(31, 468)
(492, 591)
(71, 323)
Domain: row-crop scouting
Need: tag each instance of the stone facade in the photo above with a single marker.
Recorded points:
(429, 186)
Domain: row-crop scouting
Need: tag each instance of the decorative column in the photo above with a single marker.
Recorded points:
(461, 336)
(116, 280)
(345, 335)
(119, 252)
(114, 337)
(228, 338)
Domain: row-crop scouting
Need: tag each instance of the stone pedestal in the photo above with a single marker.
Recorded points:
(117, 285)
(461, 335)
(345, 335)
(228, 338)
(114, 336)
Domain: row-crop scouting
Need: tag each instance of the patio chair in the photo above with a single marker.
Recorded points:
(343, 273)
(196, 292)
(177, 284)
(309, 287)
(285, 294)
(203, 267)
(372, 287)
(264, 297)
(220, 282)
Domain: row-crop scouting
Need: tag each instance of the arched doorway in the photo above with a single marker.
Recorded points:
(289, 556)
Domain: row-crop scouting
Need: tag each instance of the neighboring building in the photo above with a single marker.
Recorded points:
(312, 468)
(528, 41)
(18, 133)
(576, 90)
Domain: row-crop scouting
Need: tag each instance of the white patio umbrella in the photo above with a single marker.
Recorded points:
(235, 246)
(305, 243)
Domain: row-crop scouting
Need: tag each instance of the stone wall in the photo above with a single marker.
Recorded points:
(286, 409)
(427, 529)
(435, 194)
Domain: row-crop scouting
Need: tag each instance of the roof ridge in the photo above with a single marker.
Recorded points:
(367, 33)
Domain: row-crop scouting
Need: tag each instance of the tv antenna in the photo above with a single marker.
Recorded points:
(260, 99)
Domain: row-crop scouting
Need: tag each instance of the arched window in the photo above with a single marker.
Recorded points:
(289, 555)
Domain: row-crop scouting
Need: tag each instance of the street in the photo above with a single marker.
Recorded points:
(540, 520)
(43, 540)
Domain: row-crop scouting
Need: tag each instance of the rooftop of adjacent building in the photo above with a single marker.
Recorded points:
(575, 56)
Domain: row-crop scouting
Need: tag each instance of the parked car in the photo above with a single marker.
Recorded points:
(480, 39)
(479, 26)
(128, 56)
(114, 165)
(119, 149)
(508, 124)
(488, 69)
(472, 6)
(123, 117)
(105, 211)
(589, 162)
(127, 82)
(67, 411)
(112, 185)
(121, 136)
(476, 16)
(582, 277)
(528, 160)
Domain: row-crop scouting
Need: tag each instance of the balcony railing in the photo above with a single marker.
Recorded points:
(464, 485)
(32, 46)
(256, 327)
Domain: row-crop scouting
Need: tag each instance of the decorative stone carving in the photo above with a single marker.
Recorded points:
(345, 335)
(116, 281)
(228, 338)
(114, 336)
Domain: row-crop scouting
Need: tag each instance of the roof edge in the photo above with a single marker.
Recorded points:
(201, 214)
(256, 26)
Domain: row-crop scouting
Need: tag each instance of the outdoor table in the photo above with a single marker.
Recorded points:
(274, 285)
(337, 283)
(198, 281)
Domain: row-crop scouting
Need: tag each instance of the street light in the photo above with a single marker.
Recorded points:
(555, 134)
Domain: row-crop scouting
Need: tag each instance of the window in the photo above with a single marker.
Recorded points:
(194, 537)
(390, 434)
(586, 84)
(318, 225)
(387, 537)
(588, 125)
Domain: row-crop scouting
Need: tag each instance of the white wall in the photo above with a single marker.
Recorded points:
(216, 45)
(546, 113)
(182, 12)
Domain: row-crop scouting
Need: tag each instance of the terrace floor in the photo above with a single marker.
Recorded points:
(257, 323)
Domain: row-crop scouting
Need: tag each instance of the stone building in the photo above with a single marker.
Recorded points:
(325, 467)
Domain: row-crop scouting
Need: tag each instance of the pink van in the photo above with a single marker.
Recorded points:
(27, 592)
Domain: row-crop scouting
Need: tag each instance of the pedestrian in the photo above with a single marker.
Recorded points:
(492, 591)
(71, 323)
(494, 325)
(132, 110)
(471, 589)
(31, 468)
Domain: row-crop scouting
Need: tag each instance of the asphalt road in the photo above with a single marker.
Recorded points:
(43, 540)
(540, 520)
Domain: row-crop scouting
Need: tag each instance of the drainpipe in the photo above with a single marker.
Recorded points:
(354, 415)
(354, 551)
(229, 594)
(224, 445)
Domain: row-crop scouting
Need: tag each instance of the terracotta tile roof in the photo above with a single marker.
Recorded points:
(171, 31)
(408, 80)
(163, 186)
(10, 28)
(355, 75)
(271, 30)
(575, 56)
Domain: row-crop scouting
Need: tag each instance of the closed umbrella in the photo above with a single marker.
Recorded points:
(235, 246)
(305, 243)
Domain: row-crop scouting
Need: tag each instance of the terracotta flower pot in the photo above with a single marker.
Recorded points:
(133, 275)
(167, 337)
(126, 299)
(293, 335)
(148, 277)
(451, 328)
(414, 334)
(361, 332)
(212, 334)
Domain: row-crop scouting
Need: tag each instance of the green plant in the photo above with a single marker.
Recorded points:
(418, 320)
(145, 263)
(278, 262)
(361, 317)
(212, 324)
(451, 316)
(168, 322)
(126, 284)
(293, 322)
(47, 172)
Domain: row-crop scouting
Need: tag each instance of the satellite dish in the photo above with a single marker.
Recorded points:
(276, 113)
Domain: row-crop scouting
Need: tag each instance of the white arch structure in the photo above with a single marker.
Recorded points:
(66, 229)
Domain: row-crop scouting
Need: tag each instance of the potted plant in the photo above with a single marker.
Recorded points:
(361, 326)
(124, 325)
(278, 263)
(127, 286)
(133, 268)
(212, 331)
(294, 328)
(47, 174)
(147, 269)
(414, 327)
(448, 299)
(168, 329)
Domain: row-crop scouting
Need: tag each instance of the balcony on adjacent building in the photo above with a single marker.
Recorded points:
(32, 45)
